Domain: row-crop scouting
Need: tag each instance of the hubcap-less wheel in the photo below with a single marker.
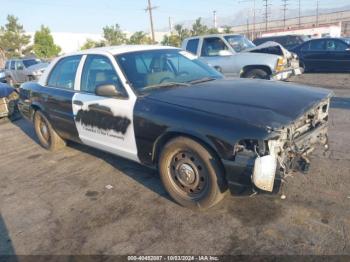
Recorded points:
(44, 131)
(188, 174)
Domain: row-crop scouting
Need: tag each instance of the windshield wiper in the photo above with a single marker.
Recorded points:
(167, 84)
(201, 80)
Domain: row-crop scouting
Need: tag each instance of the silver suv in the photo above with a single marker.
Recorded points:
(236, 56)
(18, 71)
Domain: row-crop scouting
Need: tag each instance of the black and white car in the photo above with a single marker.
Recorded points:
(162, 107)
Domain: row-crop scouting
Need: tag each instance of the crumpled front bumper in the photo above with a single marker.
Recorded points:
(284, 75)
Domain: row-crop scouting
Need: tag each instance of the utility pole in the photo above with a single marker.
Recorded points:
(254, 13)
(170, 25)
(284, 9)
(317, 5)
(149, 10)
(299, 14)
(215, 19)
(266, 14)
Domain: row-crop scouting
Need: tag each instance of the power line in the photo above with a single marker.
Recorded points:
(149, 10)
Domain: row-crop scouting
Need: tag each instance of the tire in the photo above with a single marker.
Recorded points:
(256, 74)
(47, 136)
(191, 174)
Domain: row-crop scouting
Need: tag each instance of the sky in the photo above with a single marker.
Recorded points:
(90, 16)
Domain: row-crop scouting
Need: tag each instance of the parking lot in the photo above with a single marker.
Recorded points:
(84, 201)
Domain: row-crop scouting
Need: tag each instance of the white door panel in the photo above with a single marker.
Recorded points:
(106, 123)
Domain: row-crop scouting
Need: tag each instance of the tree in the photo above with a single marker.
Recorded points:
(44, 46)
(92, 44)
(140, 38)
(114, 35)
(13, 38)
(198, 28)
(227, 29)
(172, 40)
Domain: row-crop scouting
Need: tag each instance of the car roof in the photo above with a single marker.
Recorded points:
(211, 35)
(116, 50)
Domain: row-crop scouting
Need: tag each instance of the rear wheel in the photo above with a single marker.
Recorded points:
(191, 174)
(47, 136)
(256, 74)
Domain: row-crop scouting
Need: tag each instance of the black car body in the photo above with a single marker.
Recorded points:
(154, 105)
(287, 41)
(324, 54)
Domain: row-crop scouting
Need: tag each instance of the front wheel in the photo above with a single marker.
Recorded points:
(47, 136)
(191, 174)
(256, 74)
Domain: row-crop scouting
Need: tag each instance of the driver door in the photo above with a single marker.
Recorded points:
(211, 50)
(104, 122)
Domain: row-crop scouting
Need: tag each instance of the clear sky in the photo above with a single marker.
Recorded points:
(89, 16)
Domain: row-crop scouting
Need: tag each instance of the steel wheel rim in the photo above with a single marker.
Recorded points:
(188, 174)
(44, 130)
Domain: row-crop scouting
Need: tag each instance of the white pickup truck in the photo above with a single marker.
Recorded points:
(236, 56)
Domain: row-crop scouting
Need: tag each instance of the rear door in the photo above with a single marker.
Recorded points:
(104, 122)
(59, 94)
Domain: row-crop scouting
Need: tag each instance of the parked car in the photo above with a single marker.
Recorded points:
(34, 72)
(162, 107)
(2, 76)
(8, 101)
(287, 41)
(324, 54)
(235, 55)
(17, 70)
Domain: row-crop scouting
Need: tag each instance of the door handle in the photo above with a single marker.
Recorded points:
(77, 102)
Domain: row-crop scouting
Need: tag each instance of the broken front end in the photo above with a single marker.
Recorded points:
(263, 164)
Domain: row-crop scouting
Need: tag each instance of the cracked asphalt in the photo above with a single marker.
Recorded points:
(58, 203)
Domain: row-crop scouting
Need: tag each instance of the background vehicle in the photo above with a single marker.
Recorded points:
(164, 108)
(34, 72)
(8, 101)
(2, 76)
(16, 70)
(324, 54)
(235, 55)
(287, 41)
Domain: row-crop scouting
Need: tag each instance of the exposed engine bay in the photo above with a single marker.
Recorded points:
(288, 151)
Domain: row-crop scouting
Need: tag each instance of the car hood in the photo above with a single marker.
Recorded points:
(38, 66)
(271, 47)
(256, 102)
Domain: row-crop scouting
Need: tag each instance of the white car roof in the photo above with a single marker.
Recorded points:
(116, 50)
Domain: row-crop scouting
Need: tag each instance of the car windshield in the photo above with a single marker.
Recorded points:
(30, 62)
(239, 42)
(147, 70)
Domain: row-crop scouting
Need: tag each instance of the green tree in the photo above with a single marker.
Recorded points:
(213, 31)
(171, 40)
(198, 28)
(227, 29)
(13, 38)
(44, 46)
(92, 44)
(114, 35)
(140, 38)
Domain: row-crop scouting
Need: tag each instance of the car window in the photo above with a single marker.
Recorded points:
(13, 67)
(335, 45)
(98, 70)
(30, 62)
(63, 74)
(161, 67)
(19, 65)
(192, 46)
(238, 42)
(317, 45)
(212, 46)
(7, 65)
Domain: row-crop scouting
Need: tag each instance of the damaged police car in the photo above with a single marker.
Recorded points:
(163, 108)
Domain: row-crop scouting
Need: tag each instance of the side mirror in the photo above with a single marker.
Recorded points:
(108, 90)
(225, 53)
